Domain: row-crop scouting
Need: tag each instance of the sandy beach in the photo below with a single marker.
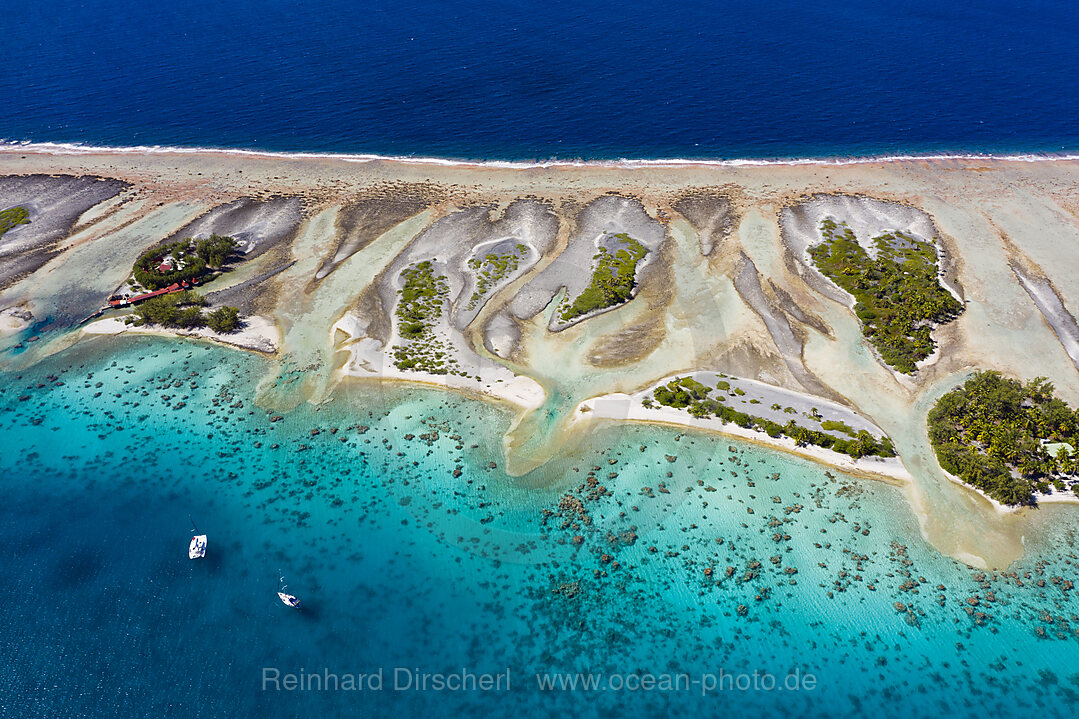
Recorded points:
(623, 407)
(725, 288)
(258, 333)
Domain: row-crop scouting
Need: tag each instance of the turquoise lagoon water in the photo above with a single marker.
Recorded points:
(110, 446)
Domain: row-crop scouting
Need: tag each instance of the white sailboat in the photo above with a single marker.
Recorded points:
(287, 599)
(197, 548)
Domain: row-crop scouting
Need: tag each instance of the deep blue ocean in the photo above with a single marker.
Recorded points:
(530, 80)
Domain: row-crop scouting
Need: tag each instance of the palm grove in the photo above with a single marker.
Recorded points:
(187, 260)
(897, 294)
(1006, 437)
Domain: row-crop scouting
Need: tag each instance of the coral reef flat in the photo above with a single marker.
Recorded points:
(725, 283)
(57, 203)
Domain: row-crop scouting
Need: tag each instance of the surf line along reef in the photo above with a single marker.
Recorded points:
(575, 293)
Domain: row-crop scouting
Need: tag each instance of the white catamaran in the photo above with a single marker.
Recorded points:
(197, 548)
(288, 599)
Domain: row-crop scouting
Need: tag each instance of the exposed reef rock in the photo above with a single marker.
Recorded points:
(472, 234)
(789, 342)
(447, 274)
(788, 305)
(710, 214)
(600, 222)
(245, 295)
(374, 213)
(1048, 301)
(257, 225)
(55, 203)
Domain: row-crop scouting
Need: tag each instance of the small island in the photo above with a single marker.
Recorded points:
(161, 280)
(420, 305)
(897, 291)
(696, 398)
(613, 277)
(1014, 441)
(492, 269)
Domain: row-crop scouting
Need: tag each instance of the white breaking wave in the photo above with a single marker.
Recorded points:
(75, 148)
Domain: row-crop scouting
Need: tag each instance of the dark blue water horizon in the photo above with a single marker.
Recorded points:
(589, 81)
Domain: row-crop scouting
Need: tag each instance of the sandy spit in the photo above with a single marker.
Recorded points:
(624, 407)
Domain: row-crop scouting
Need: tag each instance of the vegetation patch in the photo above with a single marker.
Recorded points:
(831, 425)
(13, 216)
(184, 310)
(613, 279)
(898, 296)
(996, 433)
(421, 301)
(693, 396)
(492, 269)
(185, 260)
